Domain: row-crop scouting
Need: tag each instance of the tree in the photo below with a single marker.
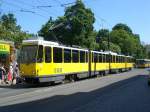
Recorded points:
(113, 47)
(103, 35)
(124, 40)
(9, 30)
(45, 31)
(148, 54)
(74, 28)
(129, 42)
(121, 26)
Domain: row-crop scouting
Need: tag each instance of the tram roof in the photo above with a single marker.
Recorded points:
(99, 52)
(129, 56)
(50, 43)
(55, 44)
(6, 42)
(40, 42)
(143, 59)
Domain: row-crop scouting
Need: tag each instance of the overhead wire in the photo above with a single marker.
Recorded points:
(42, 7)
(30, 5)
(22, 9)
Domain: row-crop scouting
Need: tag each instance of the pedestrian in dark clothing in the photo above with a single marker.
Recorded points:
(2, 73)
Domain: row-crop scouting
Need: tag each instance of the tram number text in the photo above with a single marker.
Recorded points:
(58, 70)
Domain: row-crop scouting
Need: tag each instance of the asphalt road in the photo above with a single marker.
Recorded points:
(125, 92)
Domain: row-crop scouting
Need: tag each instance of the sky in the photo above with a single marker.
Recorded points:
(31, 14)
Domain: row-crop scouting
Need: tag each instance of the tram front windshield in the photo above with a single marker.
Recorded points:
(28, 54)
(140, 62)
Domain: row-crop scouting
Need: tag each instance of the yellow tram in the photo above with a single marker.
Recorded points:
(142, 63)
(44, 61)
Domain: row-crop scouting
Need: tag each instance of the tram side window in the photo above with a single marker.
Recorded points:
(82, 56)
(92, 57)
(40, 54)
(112, 58)
(107, 58)
(120, 59)
(86, 57)
(123, 59)
(104, 58)
(95, 57)
(127, 59)
(130, 60)
(75, 56)
(117, 61)
(133, 60)
(100, 58)
(47, 54)
(57, 55)
(67, 55)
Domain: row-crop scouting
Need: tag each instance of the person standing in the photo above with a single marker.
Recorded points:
(14, 69)
(2, 73)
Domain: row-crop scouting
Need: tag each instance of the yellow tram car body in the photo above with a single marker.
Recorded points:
(57, 66)
(142, 63)
(43, 61)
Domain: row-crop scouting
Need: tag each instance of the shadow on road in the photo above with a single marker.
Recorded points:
(124, 96)
(26, 86)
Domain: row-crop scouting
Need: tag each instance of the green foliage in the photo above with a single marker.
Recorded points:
(103, 35)
(9, 30)
(45, 30)
(148, 55)
(103, 38)
(113, 47)
(122, 40)
(74, 28)
(121, 26)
